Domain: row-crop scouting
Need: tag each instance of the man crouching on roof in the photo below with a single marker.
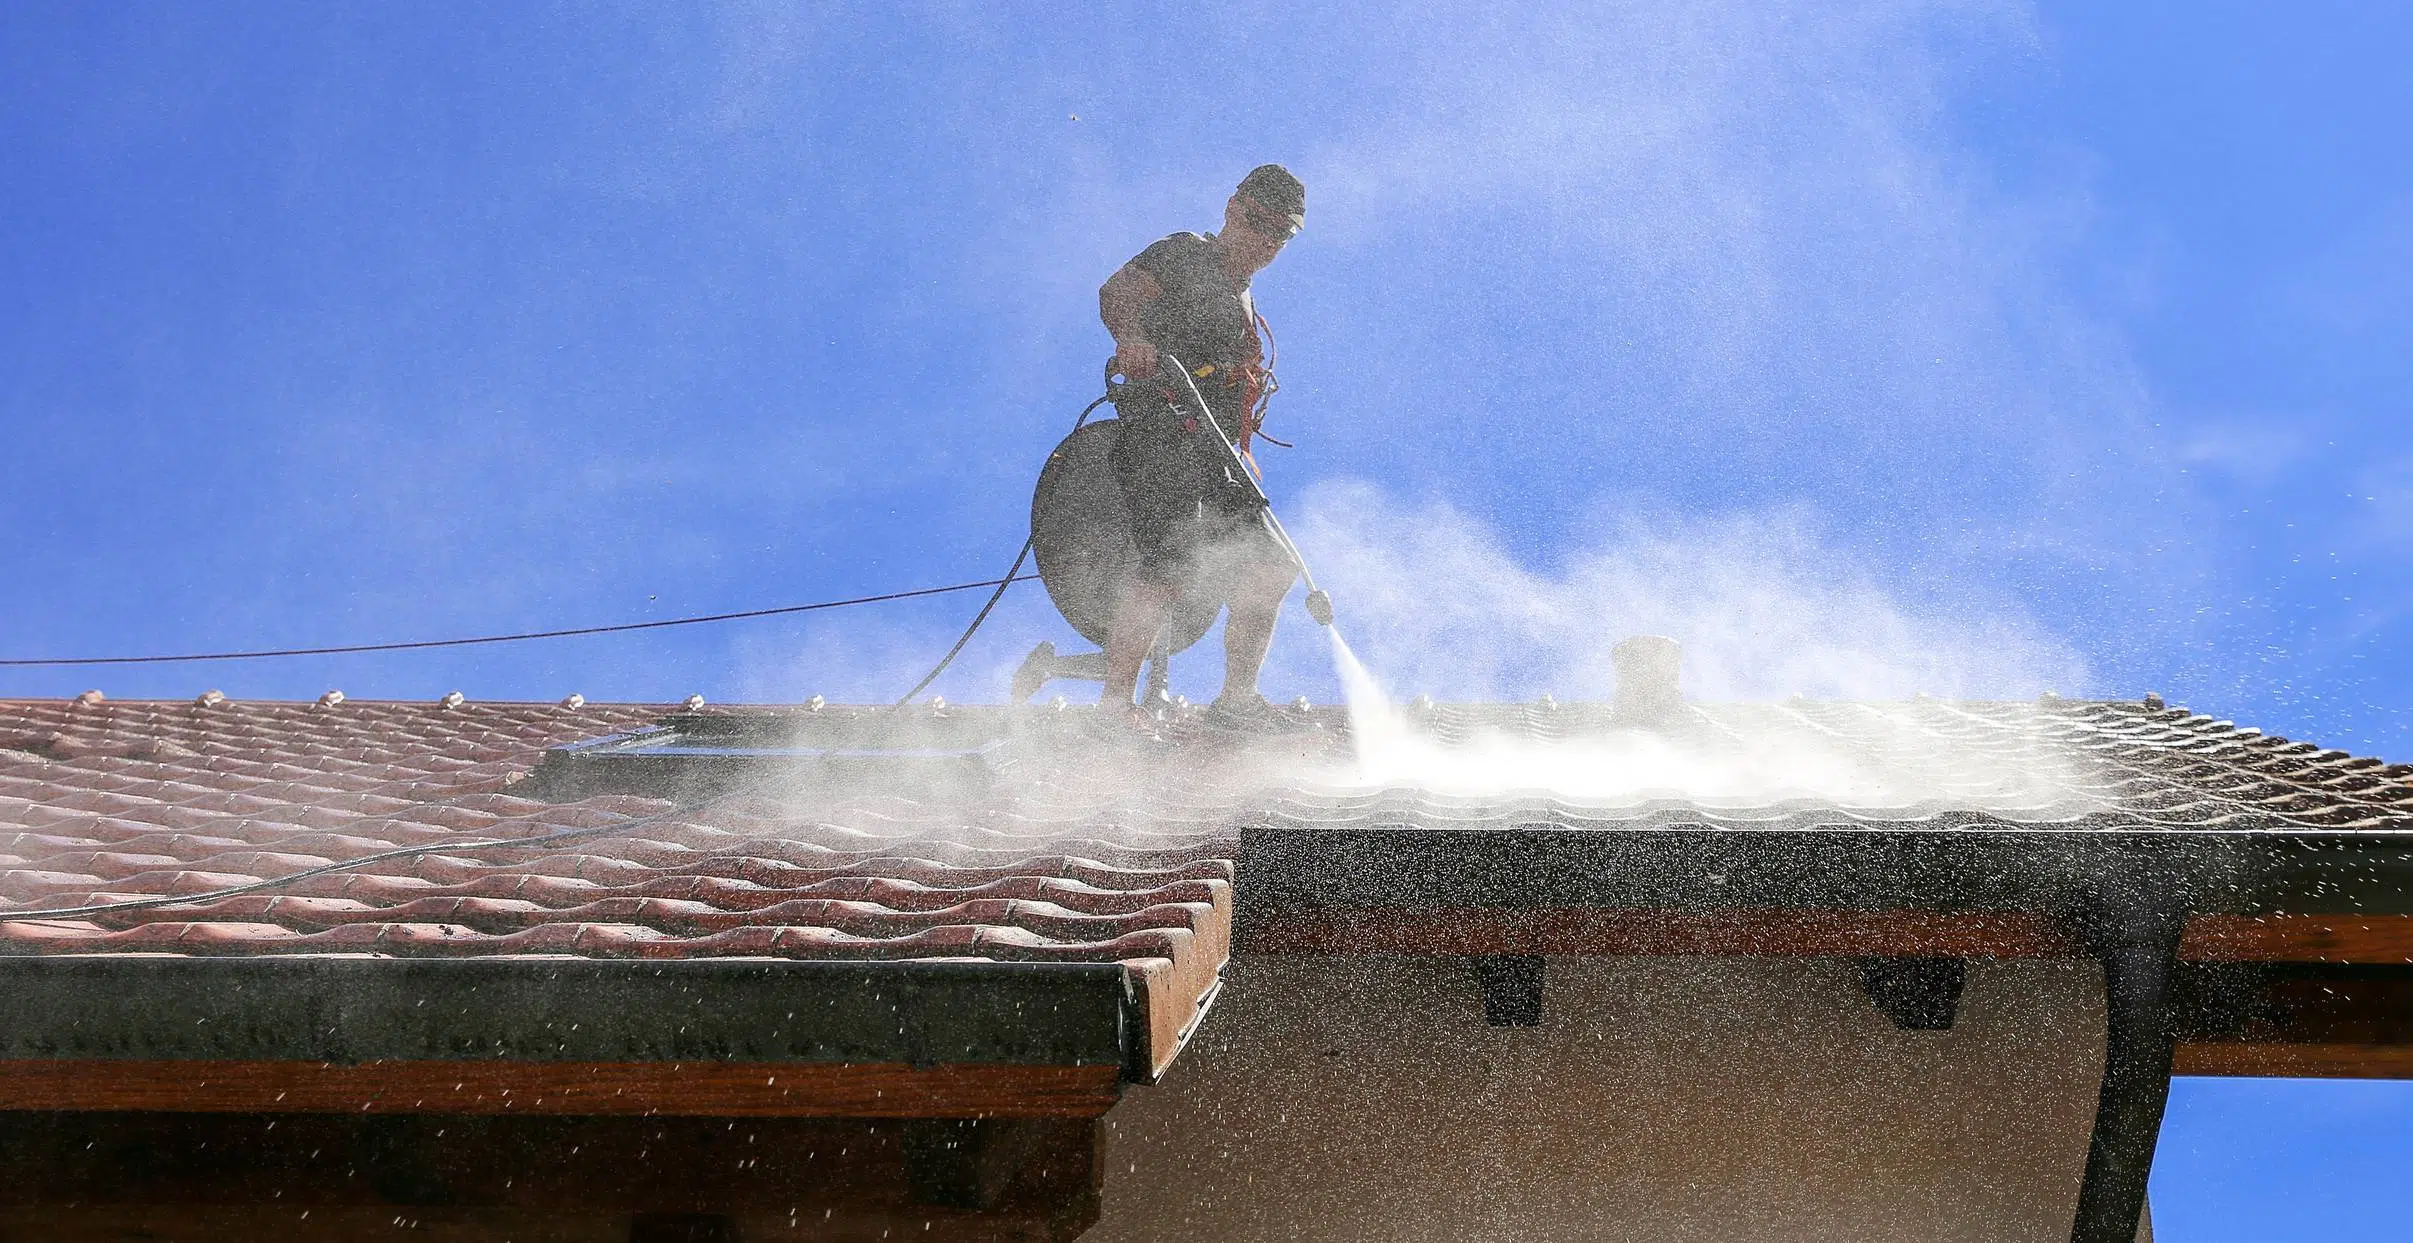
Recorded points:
(1188, 295)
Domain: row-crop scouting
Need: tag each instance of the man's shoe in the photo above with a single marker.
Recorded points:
(1248, 711)
(1126, 723)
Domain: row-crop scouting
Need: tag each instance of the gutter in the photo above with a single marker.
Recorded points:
(351, 1019)
(2125, 891)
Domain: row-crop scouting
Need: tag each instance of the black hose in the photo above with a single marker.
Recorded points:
(966, 636)
(1002, 584)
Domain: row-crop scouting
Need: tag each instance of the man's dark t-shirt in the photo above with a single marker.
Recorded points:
(1182, 502)
(1204, 316)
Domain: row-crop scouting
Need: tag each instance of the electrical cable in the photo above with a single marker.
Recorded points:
(1000, 584)
(1012, 576)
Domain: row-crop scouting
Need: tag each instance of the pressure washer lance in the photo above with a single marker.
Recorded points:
(1319, 605)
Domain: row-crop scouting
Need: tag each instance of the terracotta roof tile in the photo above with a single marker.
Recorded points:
(1065, 861)
(130, 801)
(26, 885)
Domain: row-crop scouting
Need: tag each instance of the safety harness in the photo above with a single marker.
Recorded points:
(1255, 381)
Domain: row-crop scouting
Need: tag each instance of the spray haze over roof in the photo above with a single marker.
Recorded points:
(1865, 755)
(1763, 606)
(1758, 261)
(1712, 260)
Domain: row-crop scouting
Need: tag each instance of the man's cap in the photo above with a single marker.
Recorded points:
(1274, 188)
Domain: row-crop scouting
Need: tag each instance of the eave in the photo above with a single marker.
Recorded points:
(699, 1037)
(2295, 948)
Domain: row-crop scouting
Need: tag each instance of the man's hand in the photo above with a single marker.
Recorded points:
(1136, 359)
(1121, 301)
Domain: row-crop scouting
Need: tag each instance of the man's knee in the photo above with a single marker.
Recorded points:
(1263, 584)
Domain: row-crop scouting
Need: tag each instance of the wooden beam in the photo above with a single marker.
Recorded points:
(249, 1223)
(969, 1163)
(226, 1177)
(704, 1089)
(1918, 994)
(682, 1228)
(2373, 939)
(2284, 1060)
(1476, 932)
(1512, 989)
(2298, 1019)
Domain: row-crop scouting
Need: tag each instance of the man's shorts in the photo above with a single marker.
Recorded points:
(1187, 518)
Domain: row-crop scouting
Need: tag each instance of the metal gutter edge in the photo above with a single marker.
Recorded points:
(1139, 1061)
(347, 1010)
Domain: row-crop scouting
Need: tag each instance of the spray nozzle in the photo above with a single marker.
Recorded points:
(1319, 607)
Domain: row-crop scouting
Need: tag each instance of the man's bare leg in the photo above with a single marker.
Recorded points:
(1138, 615)
(1248, 632)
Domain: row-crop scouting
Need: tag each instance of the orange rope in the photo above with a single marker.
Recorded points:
(1258, 387)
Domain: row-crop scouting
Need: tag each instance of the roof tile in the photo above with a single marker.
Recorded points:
(1065, 861)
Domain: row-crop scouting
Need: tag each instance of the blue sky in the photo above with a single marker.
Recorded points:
(2060, 345)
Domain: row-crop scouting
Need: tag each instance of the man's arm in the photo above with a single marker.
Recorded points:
(1121, 300)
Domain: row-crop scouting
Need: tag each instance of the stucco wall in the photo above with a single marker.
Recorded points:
(1734, 1100)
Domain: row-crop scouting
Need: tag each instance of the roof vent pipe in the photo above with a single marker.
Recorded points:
(1650, 687)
